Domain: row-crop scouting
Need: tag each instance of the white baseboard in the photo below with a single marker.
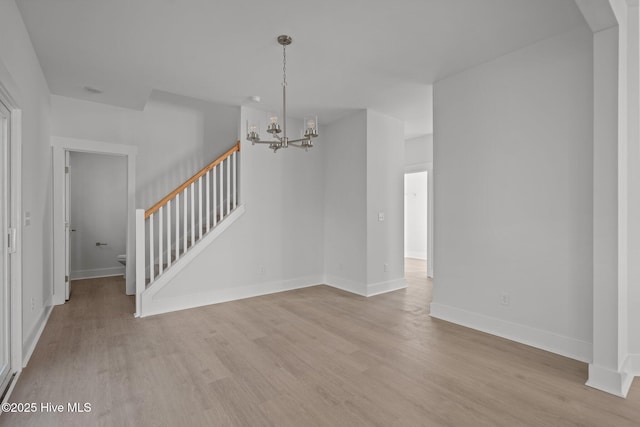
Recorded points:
(158, 305)
(348, 285)
(416, 255)
(549, 341)
(97, 272)
(384, 287)
(153, 304)
(363, 289)
(32, 339)
(608, 380)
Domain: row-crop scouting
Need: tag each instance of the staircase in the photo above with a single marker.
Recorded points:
(171, 233)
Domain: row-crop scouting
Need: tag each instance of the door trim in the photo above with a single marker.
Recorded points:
(59, 146)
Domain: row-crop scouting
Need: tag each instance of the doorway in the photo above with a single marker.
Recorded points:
(418, 214)
(416, 191)
(62, 149)
(96, 211)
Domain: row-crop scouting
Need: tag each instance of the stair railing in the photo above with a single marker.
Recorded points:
(168, 229)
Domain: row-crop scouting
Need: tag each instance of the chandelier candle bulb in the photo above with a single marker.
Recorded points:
(252, 133)
(273, 127)
(311, 129)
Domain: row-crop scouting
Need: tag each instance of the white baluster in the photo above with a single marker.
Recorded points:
(228, 185)
(207, 211)
(160, 241)
(235, 174)
(184, 221)
(221, 190)
(177, 251)
(168, 233)
(215, 196)
(152, 269)
(200, 224)
(193, 213)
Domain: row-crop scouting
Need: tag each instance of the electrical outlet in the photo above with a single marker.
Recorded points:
(33, 304)
(505, 299)
(380, 216)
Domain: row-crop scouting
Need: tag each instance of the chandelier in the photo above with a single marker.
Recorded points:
(310, 124)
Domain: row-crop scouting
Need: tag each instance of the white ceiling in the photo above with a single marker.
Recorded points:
(346, 54)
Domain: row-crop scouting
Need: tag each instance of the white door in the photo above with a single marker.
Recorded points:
(67, 228)
(5, 248)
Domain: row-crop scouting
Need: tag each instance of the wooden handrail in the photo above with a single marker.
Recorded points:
(191, 180)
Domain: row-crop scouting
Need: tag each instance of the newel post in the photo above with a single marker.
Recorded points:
(140, 260)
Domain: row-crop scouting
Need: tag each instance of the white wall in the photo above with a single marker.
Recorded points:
(175, 136)
(616, 274)
(20, 72)
(385, 194)
(418, 153)
(605, 200)
(278, 243)
(616, 204)
(634, 184)
(415, 215)
(98, 197)
(345, 202)
(513, 195)
(310, 218)
(364, 169)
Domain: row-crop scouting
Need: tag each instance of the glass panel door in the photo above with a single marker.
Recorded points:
(5, 363)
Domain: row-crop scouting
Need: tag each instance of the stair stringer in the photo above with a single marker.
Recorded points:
(147, 297)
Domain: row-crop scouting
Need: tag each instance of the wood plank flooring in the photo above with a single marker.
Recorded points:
(310, 357)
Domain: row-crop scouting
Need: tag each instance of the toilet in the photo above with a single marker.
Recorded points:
(122, 259)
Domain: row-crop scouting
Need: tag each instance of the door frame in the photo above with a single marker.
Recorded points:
(59, 146)
(67, 227)
(15, 258)
(426, 167)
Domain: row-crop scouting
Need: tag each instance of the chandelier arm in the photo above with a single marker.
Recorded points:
(292, 141)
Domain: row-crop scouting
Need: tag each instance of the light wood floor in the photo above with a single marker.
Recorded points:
(311, 357)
